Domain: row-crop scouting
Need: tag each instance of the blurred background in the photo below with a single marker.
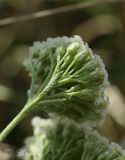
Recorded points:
(101, 23)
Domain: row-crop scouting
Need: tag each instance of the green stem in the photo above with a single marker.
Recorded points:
(21, 115)
(51, 101)
(27, 108)
(12, 124)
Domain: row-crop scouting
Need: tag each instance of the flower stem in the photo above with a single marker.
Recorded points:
(27, 108)
(20, 116)
(23, 114)
(13, 124)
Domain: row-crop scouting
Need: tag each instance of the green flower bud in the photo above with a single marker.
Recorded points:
(73, 48)
(66, 69)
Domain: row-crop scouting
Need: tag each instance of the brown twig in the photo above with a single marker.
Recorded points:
(55, 11)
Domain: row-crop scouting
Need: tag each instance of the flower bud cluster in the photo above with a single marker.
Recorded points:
(73, 73)
(57, 140)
